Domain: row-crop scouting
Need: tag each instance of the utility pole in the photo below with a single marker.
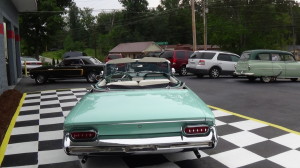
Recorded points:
(205, 25)
(194, 26)
(293, 29)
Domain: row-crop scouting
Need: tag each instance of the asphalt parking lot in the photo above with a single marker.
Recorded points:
(244, 142)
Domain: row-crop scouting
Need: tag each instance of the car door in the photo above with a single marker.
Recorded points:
(180, 59)
(278, 65)
(292, 67)
(226, 63)
(193, 60)
(70, 68)
(75, 68)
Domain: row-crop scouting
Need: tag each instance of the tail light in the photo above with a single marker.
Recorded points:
(196, 129)
(173, 61)
(83, 135)
(201, 62)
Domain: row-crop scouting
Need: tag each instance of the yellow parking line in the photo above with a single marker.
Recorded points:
(9, 129)
(260, 121)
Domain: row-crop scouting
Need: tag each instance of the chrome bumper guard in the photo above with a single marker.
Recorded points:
(141, 146)
(243, 74)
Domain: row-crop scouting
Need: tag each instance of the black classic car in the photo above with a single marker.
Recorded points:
(74, 67)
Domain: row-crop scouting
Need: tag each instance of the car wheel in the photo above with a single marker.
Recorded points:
(199, 75)
(214, 73)
(266, 79)
(91, 77)
(294, 79)
(183, 71)
(40, 79)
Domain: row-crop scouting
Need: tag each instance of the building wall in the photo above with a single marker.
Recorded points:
(9, 45)
(152, 48)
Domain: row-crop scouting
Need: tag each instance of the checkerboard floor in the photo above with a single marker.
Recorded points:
(36, 141)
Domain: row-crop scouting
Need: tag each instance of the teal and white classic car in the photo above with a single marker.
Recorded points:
(268, 65)
(139, 107)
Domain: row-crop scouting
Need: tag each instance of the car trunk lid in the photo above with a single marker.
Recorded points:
(138, 111)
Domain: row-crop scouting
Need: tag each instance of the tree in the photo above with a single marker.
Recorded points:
(36, 28)
(134, 16)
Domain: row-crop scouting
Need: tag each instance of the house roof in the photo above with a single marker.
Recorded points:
(132, 47)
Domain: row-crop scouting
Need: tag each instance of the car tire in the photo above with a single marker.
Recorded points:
(40, 79)
(91, 77)
(294, 79)
(183, 71)
(214, 72)
(265, 79)
(251, 78)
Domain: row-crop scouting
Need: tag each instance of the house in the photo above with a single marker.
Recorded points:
(189, 47)
(10, 63)
(136, 49)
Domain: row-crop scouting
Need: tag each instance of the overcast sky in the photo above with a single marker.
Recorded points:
(100, 5)
(107, 5)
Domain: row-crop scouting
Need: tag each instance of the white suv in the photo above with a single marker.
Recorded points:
(212, 63)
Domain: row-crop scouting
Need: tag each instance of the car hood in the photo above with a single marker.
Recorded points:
(138, 106)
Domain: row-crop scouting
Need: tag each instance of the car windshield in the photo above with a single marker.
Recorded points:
(137, 68)
(245, 56)
(95, 61)
(126, 73)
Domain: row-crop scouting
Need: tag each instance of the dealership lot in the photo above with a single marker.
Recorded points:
(36, 140)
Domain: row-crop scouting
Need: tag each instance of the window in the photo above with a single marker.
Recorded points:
(193, 56)
(205, 55)
(180, 54)
(86, 61)
(224, 57)
(72, 62)
(189, 53)
(262, 56)
(167, 54)
(288, 57)
(276, 57)
(245, 56)
(208, 55)
(234, 58)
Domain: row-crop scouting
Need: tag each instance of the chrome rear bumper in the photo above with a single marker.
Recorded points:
(141, 146)
(243, 74)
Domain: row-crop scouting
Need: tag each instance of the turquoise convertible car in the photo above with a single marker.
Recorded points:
(139, 107)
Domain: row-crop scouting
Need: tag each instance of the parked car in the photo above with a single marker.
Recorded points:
(139, 107)
(268, 65)
(178, 59)
(30, 63)
(113, 56)
(74, 54)
(70, 68)
(212, 63)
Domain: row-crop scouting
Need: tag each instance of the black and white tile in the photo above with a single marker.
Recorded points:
(36, 141)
